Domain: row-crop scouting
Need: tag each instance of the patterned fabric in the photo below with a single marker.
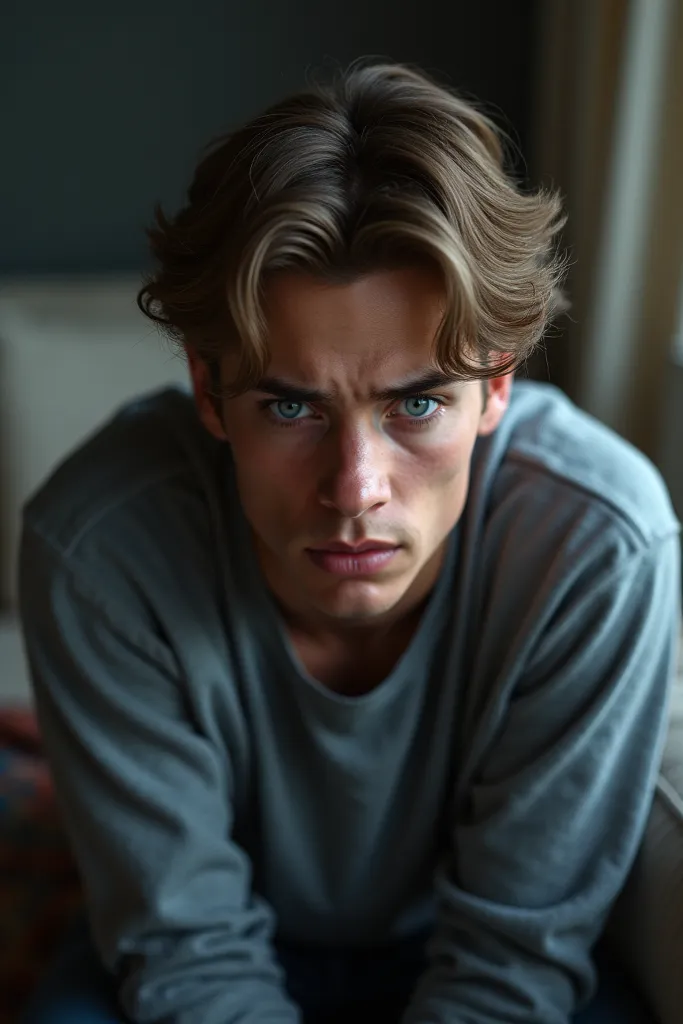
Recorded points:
(39, 887)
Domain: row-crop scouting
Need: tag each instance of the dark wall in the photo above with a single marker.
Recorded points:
(103, 112)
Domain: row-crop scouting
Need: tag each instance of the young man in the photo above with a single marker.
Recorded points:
(353, 671)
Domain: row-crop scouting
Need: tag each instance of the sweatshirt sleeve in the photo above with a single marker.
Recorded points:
(557, 806)
(146, 800)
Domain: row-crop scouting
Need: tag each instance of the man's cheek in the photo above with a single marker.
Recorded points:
(436, 469)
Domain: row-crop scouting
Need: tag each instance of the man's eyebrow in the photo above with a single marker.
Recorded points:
(429, 380)
(293, 392)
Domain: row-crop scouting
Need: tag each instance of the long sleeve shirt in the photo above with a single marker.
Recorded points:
(493, 788)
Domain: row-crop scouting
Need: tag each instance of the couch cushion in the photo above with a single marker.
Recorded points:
(39, 886)
(647, 925)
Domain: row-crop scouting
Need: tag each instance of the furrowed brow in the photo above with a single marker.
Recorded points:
(290, 391)
(280, 387)
(428, 381)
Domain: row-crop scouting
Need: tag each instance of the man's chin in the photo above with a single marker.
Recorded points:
(360, 601)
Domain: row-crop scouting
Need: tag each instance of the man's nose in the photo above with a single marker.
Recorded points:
(355, 479)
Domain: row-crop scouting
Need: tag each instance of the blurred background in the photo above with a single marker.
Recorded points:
(106, 107)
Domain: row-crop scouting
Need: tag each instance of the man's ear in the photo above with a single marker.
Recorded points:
(497, 400)
(203, 386)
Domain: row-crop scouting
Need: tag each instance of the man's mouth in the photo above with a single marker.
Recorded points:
(354, 549)
(365, 558)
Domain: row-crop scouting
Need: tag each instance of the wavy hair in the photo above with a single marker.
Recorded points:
(380, 168)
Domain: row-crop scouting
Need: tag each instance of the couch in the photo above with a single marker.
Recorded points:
(72, 350)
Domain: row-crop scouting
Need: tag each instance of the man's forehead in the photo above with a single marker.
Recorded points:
(371, 316)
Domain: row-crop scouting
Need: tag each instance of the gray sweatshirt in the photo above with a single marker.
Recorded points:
(493, 788)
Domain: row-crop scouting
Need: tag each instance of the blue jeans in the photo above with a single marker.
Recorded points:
(78, 991)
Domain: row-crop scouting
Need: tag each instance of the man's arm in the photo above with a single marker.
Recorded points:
(147, 803)
(558, 804)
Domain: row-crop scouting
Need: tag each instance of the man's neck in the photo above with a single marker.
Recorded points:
(353, 662)
(355, 656)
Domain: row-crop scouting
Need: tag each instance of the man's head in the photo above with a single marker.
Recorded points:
(348, 270)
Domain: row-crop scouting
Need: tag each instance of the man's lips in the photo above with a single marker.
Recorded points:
(354, 549)
(364, 559)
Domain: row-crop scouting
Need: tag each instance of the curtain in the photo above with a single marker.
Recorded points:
(609, 133)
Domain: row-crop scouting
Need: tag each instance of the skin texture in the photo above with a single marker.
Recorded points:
(354, 464)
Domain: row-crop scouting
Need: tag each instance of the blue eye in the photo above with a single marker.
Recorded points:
(288, 410)
(418, 407)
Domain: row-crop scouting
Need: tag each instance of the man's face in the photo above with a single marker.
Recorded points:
(352, 464)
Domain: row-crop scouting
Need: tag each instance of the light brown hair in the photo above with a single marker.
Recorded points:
(381, 168)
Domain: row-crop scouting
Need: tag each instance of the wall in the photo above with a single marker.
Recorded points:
(105, 110)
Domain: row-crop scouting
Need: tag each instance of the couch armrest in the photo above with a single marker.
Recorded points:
(72, 350)
(647, 924)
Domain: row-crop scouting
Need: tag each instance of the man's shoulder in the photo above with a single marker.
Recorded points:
(560, 450)
(147, 443)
